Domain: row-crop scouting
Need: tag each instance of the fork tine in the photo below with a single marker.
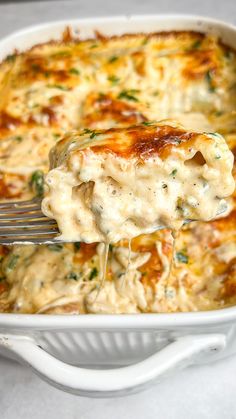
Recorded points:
(21, 216)
(15, 210)
(30, 240)
(22, 224)
(31, 232)
(19, 203)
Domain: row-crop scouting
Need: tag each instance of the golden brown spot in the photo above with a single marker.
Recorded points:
(107, 108)
(144, 141)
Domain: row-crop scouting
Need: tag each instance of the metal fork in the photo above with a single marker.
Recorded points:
(24, 222)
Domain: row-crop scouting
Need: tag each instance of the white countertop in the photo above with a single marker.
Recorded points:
(206, 392)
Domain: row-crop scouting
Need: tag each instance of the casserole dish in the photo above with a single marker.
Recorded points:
(107, 355)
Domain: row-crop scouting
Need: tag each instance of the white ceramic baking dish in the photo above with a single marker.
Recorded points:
(107, 355)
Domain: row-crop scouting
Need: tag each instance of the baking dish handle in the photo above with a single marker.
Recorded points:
(118, 381)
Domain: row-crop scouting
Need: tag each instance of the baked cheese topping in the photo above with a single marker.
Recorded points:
(105, 186)
(99, 84)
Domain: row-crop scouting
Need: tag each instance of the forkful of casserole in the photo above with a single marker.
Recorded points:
(108, 185)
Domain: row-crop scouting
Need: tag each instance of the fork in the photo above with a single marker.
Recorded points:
(24, 222)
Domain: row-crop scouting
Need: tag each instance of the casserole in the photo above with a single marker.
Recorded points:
(154, 344)
(125, 181)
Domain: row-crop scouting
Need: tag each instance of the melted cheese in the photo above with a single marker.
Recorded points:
(131, 181)
(99, 84)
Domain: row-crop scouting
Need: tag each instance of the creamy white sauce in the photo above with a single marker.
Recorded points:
(105, 198)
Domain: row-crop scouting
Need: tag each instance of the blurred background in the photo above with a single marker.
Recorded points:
(17, 14)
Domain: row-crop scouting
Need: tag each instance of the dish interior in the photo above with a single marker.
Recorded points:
(115, 82)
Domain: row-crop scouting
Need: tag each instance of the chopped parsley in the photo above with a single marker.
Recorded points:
(148, 123)
(129, 95)
(179, 206)
(209, 79)
(218, 156)
(57, 247)
(74, 71)
(92, 133)
(144, 41)
(77, 245)
(93, 273)
(113, 79)
(229, 55)
(11, 58)
(113, 59)
(94, 46)
(12, 262)
(215, 134)
(18, 138)
(37, 182)
(173, 173)
(73, 275)
(56, 135)
(181, 257)
(58, 86)
(196, 44)
(62, 54)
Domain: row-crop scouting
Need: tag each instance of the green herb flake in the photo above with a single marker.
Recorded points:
(229, 55)
(148, 123)
(217, 157)
(46, 74)
(37, 182)
(92, 133)
(73, 275)
(58, 86)
(87, 131)
(12, 262)
(62, 54)
(35, 67)
(219, 113)
(214, 134)
(111, 247)
(196, 44)
(11, 58)
(56, 135)
(181, 257)
(129, 95)
(113, 79)
(173, 173)
(113, 59)
(145, 41)
(74, 71)
(18, 138)
(209, 79)
(179, 206)
(77, 245)
(57, 247)
(94, 46)
(93, 273)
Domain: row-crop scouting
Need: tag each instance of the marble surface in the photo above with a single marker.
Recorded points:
(206, 392)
